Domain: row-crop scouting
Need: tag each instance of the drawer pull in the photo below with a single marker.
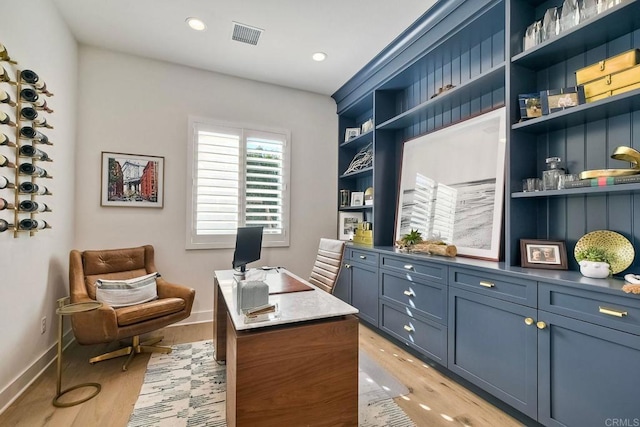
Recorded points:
(347, 266)
(408, 328)
(363, 257)
(612, 312)
(541, 325)
(408, 267)
(409, 293)
(487, 284)
(529, 321)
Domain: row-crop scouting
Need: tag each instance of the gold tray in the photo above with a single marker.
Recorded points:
(595, 173)
(612, 242)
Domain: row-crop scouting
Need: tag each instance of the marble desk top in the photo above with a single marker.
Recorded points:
(292, 307)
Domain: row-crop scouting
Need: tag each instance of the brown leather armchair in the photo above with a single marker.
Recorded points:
(108, 324)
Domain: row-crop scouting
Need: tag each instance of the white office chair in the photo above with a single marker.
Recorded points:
(327, 266)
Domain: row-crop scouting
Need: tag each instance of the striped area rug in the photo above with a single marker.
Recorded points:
(187, 388)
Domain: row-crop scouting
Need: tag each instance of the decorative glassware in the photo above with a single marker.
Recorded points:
(551, 176)
(550, 26)
(532, 35)
(570, 15)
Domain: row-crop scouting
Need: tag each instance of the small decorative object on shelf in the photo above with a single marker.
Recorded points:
(551, 176)
(611, 76)
(413, 242)
(550, 27)
(607, 247)
(442, 90)
(550, 254)
(624, 153)
(23, 90)
(554, 100)
(351, 133)
(570, 15)
(533, 35)
(632, 285)
(362, 160)
(345, 198)
(530, 106)
(357, 198)
(367, 126)
(595, 262)
(364, 234)
(368, 196)
(348, 223)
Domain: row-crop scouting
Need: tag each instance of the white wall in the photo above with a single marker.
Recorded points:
(134, 105)
(34, 270)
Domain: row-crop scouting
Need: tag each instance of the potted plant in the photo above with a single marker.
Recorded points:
(410, 239)
(595, 262)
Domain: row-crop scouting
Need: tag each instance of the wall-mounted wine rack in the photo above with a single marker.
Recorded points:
(23, 111)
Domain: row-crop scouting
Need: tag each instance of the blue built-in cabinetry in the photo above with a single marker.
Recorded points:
(562, 349)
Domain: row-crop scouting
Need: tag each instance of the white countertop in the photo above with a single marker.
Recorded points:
(292, 307)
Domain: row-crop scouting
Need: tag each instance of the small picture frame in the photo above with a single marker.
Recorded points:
(357, 198)
(530, 106)
(560, 99)
(367, 126)
(348, 223)
(549, 254)
(351, 133)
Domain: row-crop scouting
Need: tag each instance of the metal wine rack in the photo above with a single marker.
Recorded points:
(13, 81)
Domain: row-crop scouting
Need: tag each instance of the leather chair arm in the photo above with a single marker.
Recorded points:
(171, 290)
(96, 326)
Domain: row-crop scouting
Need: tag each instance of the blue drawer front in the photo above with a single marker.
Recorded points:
(512, 289)
(415, 268)
(426, 298)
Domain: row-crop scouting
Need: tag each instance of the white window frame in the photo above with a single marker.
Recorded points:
(194, 241)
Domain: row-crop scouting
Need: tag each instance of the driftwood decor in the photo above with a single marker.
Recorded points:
(429, 247)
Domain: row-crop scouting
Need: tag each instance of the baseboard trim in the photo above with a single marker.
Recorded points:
(18, 386)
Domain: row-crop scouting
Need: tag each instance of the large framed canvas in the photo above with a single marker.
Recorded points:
(132, 180)
(452, 185)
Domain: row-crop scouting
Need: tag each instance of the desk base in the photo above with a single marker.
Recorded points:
(300, 374)
(58, 404)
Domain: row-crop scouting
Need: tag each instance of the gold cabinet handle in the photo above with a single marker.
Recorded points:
(363, 257)
(408, 266)
(529, 321)
(408, 328)
(541, 325)
(487, 284)
(409, 293)
(612, 312)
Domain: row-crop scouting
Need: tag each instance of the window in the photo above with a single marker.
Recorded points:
(238, 177)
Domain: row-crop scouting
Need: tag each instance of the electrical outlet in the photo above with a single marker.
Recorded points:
(43, 325)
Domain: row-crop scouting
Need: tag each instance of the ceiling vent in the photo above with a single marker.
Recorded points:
(246, 34)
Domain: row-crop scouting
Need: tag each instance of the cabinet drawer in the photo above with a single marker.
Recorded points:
(520, 291)
(427, 337)
(618, 312)
(363, 256)
(427, 298)
(433, 272)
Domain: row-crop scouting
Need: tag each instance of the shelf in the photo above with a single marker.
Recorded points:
(609, 25)
(358, 174)
(473, 88)
(608, 107)
(359, 141)
(355, 208)
(619, 188)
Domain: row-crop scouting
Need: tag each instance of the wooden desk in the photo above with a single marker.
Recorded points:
(299, 369)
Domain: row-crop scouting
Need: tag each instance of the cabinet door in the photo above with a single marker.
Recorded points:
(342, 288)
(364, 292)
(491, 345)
(588, 375)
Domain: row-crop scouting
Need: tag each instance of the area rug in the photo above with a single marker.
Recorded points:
(187, 388)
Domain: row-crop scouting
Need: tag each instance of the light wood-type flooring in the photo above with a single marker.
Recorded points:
(434, 400)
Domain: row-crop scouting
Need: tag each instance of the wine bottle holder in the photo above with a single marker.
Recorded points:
(24, 122)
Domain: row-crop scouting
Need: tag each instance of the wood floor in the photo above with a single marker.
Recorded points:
(434, 400)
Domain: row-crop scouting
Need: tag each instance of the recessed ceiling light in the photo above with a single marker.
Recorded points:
(319, 56)
(196, 24)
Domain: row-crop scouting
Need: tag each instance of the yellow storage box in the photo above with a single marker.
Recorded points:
(608, 66)
(614, 92)
(612, 83)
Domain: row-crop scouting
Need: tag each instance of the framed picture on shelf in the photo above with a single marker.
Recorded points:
(350, 133)
(357, 198)
(132, 180)
(561, 99)
(550, 254)
(466, 203)
(348, 223)
(367, 126)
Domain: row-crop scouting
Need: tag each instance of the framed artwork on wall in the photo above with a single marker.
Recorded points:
(452, 185)
(132, 180)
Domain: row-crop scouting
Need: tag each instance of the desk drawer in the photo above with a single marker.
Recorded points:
(363, 256)
(618, 312)
(418, 268)
(520, 291)
(427, 337)
(426, 298)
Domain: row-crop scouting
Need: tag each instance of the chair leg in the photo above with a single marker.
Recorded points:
(136, 347)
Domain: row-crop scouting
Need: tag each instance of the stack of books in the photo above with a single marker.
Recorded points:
(603, 181)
